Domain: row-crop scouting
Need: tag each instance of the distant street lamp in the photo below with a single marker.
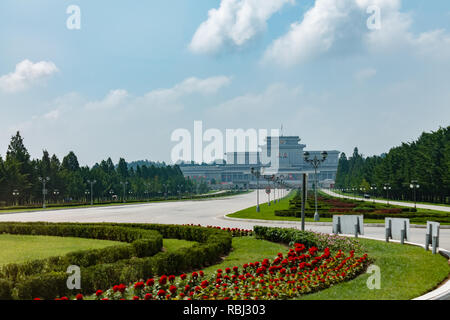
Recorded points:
(374, 190)
(16, 195)
(124, 185)
(44, 181)
(257, 174)
(414, 185)
(56, 194)
(315, 162)
(92, 182)
(387, 187)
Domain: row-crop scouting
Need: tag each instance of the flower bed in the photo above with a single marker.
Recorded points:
(300, 271)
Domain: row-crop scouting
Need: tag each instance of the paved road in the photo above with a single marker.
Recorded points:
(396, 203)
(204, 212)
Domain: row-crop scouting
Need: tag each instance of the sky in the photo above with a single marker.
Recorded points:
(337, 73)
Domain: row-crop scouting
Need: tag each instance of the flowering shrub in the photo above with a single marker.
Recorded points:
(300, 271)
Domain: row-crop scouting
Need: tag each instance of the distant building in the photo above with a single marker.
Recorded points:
(236, 172)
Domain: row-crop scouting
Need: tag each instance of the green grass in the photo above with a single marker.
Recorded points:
(22, 248)
(171, 245)
(246, 250)
(406, 272)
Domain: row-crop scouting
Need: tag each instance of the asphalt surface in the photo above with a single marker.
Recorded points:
(205, 212)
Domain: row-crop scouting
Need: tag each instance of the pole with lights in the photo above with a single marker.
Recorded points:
(315, 162)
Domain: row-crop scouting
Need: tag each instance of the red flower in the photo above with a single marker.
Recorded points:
(99, 293)
(150, 282)
(161, 292)
(194, 275)
(163, 280)
(183, 276)
(139, 285)
(173, 289)
(171, 278)
(79, 296)
(135, 298)
(148, 296)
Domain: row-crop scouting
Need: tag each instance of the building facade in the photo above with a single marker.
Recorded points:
(289, 165)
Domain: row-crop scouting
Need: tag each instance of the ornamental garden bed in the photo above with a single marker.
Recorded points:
(268, 263)
(329, 206)
(141, 257)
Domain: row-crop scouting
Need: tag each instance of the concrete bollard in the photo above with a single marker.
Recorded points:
(427, 241)
(434, 244)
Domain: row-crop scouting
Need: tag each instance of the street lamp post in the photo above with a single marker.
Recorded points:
(44, 181)
(124, 185)
(374, 190)
(111, 193)
(92, 182)
(315, 162)
(56, 194)
(387, 187)
(16, 194)
(257, 174)
(414, 185)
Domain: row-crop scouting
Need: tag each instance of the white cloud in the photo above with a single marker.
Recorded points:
(365, 74)
(26, 75)
(334, 26)
(234, 23)
(113, 99)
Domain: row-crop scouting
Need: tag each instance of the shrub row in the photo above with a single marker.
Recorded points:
(308, 238)
(142, 243)
(212, 245)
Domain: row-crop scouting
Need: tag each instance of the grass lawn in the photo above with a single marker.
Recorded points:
(406, 272)
(246, 250)
(171, 245)
(21, 248)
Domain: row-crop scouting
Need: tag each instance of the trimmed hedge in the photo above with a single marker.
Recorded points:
(308, 238)
(213, 243)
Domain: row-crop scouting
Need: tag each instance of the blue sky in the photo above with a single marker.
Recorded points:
(137, 70)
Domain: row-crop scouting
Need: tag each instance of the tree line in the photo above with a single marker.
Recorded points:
(22, 179)
(424, 163)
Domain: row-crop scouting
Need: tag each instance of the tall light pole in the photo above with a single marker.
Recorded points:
(44, 181)
(315, 162)
(374, 190)
(124, 185)
(387, 187)
(16, 194)
(257, 174)
(414, 185)
(92, 182)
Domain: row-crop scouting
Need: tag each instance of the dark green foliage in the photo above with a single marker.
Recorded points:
(426, 161)
(20, 185)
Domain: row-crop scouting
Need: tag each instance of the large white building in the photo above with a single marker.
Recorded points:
(236, 172)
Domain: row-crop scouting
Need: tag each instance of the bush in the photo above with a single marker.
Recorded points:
(307, 238)
(102, 268)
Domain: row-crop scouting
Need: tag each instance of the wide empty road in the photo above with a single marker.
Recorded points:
(204, 212)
